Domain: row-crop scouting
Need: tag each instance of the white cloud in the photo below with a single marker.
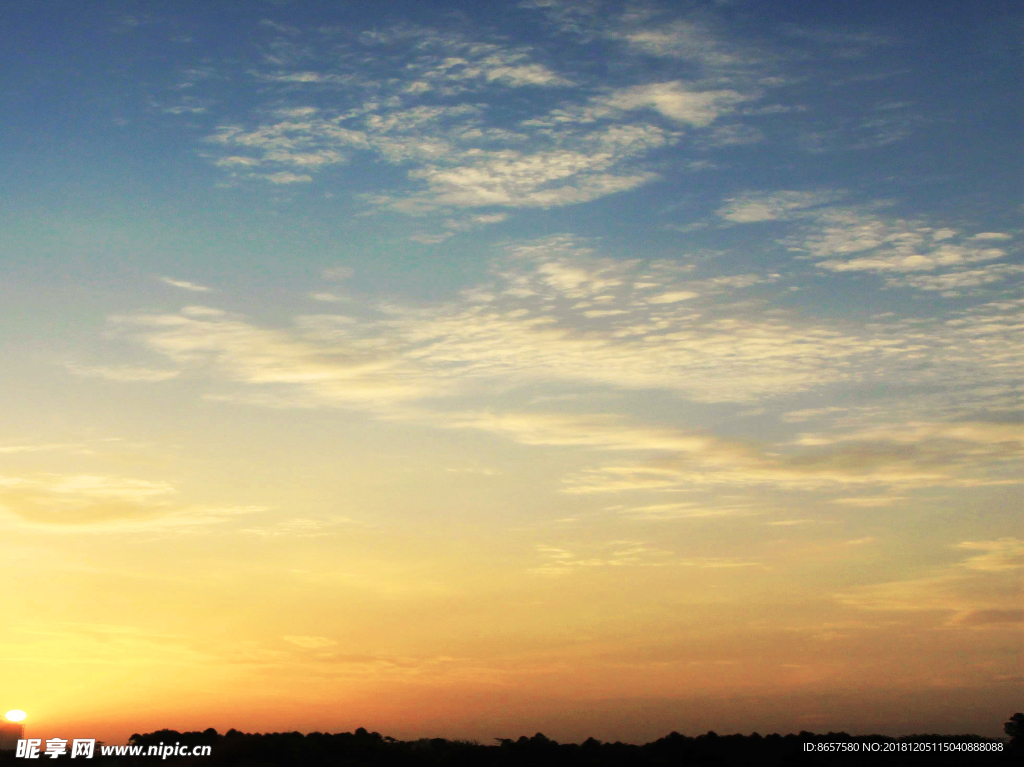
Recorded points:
(677, 101)
(435, 102)
(349, 370)
(905, 262)
(329, 297)
(286, 177)
(684, 40)
(954, 283)
(753, 207)
(185, 285)
(525, 74)
(909, 254)
(672, 297)
(553, 313)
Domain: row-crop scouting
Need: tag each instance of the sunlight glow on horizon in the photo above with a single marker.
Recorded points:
(15, 715)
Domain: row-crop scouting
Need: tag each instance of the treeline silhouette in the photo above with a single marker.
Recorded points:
(359, 748)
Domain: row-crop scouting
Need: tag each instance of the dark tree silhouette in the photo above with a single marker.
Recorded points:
(1015, 729)
(365, 749)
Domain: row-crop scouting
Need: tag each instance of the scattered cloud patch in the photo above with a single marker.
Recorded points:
(753, 207)
(185, 285)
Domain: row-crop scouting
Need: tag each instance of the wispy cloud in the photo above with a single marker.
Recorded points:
(852, 240)
(97, 502)
(435, 103)
(185, 285)
(561, 561)
(980, 591)
(556, 312)
(755, 207)
(899, 455)
(123, 372)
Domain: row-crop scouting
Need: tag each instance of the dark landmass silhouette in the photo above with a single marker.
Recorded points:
(362, 748)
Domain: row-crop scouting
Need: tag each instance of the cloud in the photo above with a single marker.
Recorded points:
(12, 449)
(677, 101)
(456, 165)
(330, 298)
(981, 591)
(672, 297)
(687, 40)
(450, 63)
(349, 370)
(643, 32)
(285, 177)
(185, 285)
(668, 511)
(870, 501)
(1006, 438)
(599, 432)
(556, 313)
(897, 247)
(79, 502)
(123, 372)
(542, 179)
(561, 561)
(553, 313)
(524, 74)
(859, 240)
(1002, 555)
(756, 207)
(989, 617)
(435, 102)
(904, 455)
(913, 262)
(955, 283)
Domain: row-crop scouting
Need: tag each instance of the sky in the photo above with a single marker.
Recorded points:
(461, 369)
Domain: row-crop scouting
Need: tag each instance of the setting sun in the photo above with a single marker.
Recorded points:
(15, 715)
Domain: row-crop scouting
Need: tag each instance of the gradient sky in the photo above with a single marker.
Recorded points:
(471, 369)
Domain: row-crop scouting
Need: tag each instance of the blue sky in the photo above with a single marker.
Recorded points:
(452, 302)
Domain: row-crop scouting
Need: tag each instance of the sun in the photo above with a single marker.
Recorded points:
(15, 715)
